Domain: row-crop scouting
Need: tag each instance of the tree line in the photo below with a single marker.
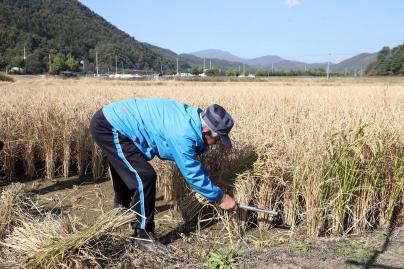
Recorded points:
(63, 27)
(388, 62)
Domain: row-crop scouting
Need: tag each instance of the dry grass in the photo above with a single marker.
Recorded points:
(4, 77)
(51, 241)
(329, 154)
(10, 200)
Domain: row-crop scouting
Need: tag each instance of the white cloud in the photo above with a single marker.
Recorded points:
(292, 3)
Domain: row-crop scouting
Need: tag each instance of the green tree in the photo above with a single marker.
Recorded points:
(196, 70)
(71, 63)
(58, 63)
(57, 26)
(18, 61)
(397, 59)
(384, 61)
(214, 72)
(37, 62)
(232, 73)
(3, 62)
(262, 73)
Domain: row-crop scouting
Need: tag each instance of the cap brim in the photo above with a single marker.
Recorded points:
(225, 139)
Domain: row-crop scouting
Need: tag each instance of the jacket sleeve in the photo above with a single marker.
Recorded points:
(183, 152)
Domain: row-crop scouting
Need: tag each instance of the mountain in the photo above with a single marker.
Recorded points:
(264, 60)
(216, 63)
(217, 54)
(354, 64)
(49, 27)
(187, 61)
(227, 56)
(59, 28)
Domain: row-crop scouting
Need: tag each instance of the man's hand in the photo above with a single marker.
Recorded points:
(227, 203)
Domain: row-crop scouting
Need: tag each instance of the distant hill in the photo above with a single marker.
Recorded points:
(227, 56)
(217, 54)
(51, 26)
(187, 61)
(216, 63)
(264, 60)
(353, 64)
(57, 28)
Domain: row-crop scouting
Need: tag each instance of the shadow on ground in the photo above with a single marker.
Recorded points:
(69, 183)
(372, 261)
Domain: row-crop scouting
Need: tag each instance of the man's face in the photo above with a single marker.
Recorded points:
(208, 138)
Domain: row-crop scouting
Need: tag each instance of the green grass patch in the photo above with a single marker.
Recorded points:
(356, 253)
(303, 246)
(222, 259)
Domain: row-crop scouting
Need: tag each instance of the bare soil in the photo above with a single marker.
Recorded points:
(275, 248)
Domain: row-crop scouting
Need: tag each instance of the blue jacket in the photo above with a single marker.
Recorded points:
(167, 129)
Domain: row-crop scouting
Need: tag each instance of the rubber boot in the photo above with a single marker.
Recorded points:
(146, 241)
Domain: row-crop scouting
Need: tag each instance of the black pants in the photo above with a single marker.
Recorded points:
(134, 179)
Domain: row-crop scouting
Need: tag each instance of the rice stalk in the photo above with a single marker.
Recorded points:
(288, 123)
(66, 146)
(11, 197)
(397, 180)
(245, 188)
(81, 150)
(54, 241)
(97, 162)
(192, 205)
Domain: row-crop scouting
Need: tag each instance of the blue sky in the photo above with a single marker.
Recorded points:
(304, 30)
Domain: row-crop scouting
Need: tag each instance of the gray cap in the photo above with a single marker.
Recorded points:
(219, 121)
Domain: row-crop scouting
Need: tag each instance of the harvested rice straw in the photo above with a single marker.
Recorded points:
(10, 199)
(52, 241)
(58, 251)
(191, 205)
(244, 187)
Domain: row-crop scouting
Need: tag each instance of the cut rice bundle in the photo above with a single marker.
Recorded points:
(52, 241)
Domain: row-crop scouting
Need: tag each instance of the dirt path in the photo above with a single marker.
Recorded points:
(371, 252)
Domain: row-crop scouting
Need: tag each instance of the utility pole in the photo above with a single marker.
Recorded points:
(25, 62)
(328, 66)
(161, 68)
(210, 63)
(116, 65)
(177, 67)
(272, 67)
(83, 63)
(50, 64)
(96, 62)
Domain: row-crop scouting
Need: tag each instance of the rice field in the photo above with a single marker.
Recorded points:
(328, 155)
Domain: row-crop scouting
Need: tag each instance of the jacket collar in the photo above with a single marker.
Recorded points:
(197, 124)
